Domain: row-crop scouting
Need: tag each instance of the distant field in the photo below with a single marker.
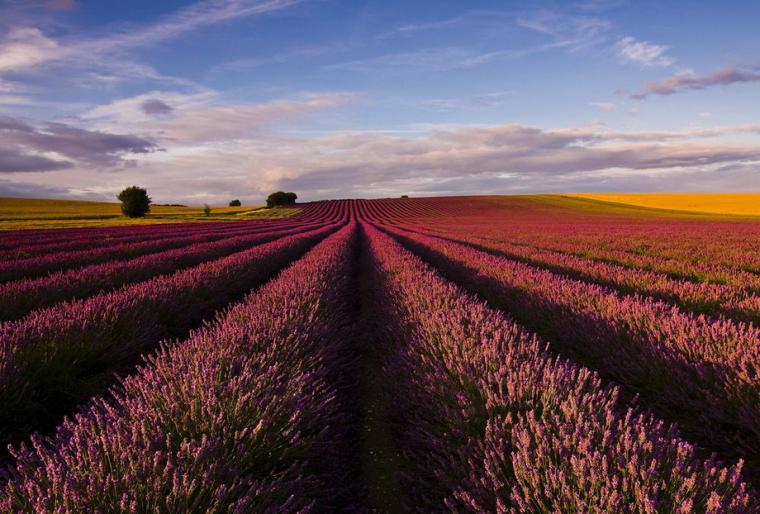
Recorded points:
(24, 213)
(742, 204)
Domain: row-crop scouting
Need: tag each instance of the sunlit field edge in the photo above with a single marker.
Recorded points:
(26, 213)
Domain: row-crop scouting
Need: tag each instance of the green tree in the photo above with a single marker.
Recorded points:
(235, 203)
(206, 209)
(135, 202)
(281, 198)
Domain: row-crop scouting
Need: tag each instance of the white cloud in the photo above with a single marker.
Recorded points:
(643, 52)
(26, 47)
(205, 117)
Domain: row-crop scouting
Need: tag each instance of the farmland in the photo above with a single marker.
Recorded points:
(738, 204)
(462, 354)
(22, 213)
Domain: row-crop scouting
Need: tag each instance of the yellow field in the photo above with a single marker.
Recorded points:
(742, 204)
(24, 213)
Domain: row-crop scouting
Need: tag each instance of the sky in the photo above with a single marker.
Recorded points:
(208, 100)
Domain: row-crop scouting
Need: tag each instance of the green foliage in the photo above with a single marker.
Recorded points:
(206, 209)
(281, 198)
(135, 202)
(235, 203)
(404, 196)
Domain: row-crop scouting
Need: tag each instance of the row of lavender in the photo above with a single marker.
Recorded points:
(19, 297)
(733, 245)
(54, 358)
(489, 421)
(718, 253)
(681, 267)
(241, 417)
(74, 242)
(700, 372)
(702, 297)
(43, 263)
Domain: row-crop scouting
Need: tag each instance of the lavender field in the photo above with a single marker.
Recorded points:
(471, 354)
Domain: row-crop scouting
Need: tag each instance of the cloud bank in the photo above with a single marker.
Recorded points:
(215, 166)
(57, 146)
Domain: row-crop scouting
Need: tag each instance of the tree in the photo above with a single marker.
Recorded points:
(206, 209)
(235, 203)
(281, 198)
(404, 196)
(135, 202)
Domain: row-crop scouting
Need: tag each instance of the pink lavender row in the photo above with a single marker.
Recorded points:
(489, 421)
(19, 297)
(56, 357)
(703, 373)
(677, 268)
(41, 265)
(70, 239)
(241, 417)
(20, 239)
(96, 241)
(734, 245)
(695, 251)
(714, 272)
(701, 298)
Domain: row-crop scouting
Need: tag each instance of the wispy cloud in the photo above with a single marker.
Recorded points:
(490, 21)
(27, 47)
(429, 59)
(570, 32)
(280, 57)
(648, 54)
(691, 82)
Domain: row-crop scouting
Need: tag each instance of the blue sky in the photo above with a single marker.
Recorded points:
(209, 100)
